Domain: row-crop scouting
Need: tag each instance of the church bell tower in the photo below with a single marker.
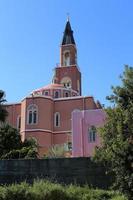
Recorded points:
(67, 73)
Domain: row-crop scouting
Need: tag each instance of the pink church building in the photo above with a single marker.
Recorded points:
(58, 113)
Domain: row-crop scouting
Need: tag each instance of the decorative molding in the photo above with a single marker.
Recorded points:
(45, 130)
(32, 108)
(57, 114)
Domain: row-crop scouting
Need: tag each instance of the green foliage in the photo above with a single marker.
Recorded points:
(117, 134)
(9, 139)
(56, 151)
(3, 112)
(11, 146)
(45, 190)
(32, 142)
(24, 152)
(29, 149)
(28, 152)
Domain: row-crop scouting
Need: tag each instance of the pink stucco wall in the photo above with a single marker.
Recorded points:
(45, 131)
(14, 111)
(81, 121)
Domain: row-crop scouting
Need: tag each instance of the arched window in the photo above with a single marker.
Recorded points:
(67, 59)
(92, 134)
(57, 119)
(70, 146)
(56, 94)
(46, 93)
(34, 117)
(32, 114)
(66, 94)
(30, 117)
(66, 81)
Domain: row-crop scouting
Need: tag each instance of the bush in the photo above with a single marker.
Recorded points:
(56, 151)
(19, 191)
(45, 190)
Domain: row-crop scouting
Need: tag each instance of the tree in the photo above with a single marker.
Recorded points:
(11, 146)
(117, 134)
(3, 112)
(9, 139)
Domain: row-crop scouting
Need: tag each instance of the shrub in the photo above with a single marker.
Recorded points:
(46, 190)
(56, 151)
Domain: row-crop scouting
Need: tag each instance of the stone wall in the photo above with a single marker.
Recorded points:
(64, 170)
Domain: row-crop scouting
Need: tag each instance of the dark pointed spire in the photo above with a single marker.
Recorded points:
(68, 34)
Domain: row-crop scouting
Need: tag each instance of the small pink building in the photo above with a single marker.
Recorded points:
(46, 114)
(84, 131)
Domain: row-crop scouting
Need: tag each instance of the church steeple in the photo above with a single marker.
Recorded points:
(68, 35)
(68, 55)
(68, 72)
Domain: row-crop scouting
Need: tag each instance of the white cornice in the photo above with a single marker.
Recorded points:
(50, 98)
(45, 130)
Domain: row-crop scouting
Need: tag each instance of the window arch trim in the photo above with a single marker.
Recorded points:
(56, 94)
(66, 58)
(67, 82)
(32, 114)
(57, 119)
(92, 134)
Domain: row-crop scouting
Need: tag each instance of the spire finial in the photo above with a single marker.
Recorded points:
(68, 17)
(68, 33)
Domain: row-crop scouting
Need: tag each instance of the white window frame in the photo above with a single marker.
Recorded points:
(32, 108)
(55, 122)
(67, 94)
(67, 82)
(58, 94)
(92, 135)
(46, 93)
(66, 60)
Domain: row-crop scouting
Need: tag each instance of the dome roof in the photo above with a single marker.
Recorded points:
(50, 86)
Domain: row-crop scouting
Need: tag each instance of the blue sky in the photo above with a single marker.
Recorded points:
(31, 32)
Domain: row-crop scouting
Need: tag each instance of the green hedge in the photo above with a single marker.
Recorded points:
(45, 190)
